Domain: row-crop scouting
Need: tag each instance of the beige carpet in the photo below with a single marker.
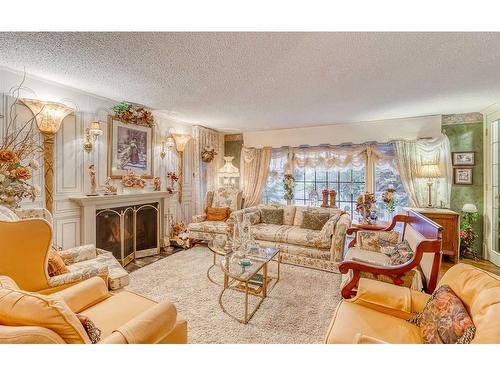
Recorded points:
(297, 311)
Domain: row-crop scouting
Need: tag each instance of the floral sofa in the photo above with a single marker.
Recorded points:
(320, 249)
(203, 230)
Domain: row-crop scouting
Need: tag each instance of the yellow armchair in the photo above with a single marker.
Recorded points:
(122, 318)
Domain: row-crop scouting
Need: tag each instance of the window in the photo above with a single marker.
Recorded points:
(385, 175)
(348, 183)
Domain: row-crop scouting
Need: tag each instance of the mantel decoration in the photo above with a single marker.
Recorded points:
(208, 154)
(109, 188)
(389, 199)
(49, 117)
(133, 180)
(364, 205)
(288, 183)
(130, 148)
(157, 184)
(133, 113)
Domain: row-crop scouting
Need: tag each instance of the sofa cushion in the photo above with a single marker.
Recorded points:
(314, 220)
(271, 216)
(288, 212)
(299, 212)
(217, 214)
(401, 253)
(209, 226)
(253, 217)
(290, 234)
(444, 319)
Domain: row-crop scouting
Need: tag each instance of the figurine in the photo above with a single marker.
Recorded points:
(92, 181)
(109, 188)
(157, 184)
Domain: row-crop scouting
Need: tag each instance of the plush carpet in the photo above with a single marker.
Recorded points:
(297, 311)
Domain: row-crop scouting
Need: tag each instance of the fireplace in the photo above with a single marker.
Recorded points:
(129, 232)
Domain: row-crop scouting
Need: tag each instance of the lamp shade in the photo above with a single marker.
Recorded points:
(170, 142)
(95, 128)
(429, 171)
(469, 208)
(181, 141)
(48, 115)
(229, 170)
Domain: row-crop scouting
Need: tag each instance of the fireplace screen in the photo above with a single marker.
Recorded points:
(129, 231)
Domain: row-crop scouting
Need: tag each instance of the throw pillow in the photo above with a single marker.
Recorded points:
(272, 216)
(377, 240)
(56, 264)
(401, 253)
(314, 220)
(445, 319)
(89, 326)
(253, 216)
(217, 214)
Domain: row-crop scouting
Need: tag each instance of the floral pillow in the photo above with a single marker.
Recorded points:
(445, 319)
(401, 253)
(376, 240)
(253, 217)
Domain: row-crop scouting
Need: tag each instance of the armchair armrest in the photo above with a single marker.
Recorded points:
(28, 335)
(78, 254)
(149, 327)
(363, 339)
(83, 295)
(100, 270)
(199, 218)
(338, 238)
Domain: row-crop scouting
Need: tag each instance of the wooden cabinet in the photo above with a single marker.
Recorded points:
(450, 221)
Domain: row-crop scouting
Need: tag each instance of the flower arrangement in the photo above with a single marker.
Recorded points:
(364, 204)
(288, 182)
(18, 153)
(128, 112)
(133, 180)
(467, 234)
(172, 177)
(388, 197)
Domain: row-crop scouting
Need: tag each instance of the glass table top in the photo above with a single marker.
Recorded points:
(244, 266)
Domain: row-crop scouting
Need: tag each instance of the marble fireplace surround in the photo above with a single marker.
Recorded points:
(89, 205)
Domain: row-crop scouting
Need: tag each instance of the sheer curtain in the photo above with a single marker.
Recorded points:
(254, 170)
(205, 174)
(274, 190)
(410, 155)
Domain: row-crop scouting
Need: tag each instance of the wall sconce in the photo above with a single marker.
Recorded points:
(48, 116)
(167, 144)
(91, 133)
(181, 141)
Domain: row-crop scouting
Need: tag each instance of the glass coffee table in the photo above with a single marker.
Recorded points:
(248, 273)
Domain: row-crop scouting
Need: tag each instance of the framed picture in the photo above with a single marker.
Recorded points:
(130, 147)
(463, 158)
(462, 176)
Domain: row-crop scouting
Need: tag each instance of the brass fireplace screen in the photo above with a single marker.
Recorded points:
(129, 232)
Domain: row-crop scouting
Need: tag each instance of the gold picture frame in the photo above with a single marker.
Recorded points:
(130, 148)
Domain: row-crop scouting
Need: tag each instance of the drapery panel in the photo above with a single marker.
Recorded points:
(410, 155)
(205, 174)
(254, 169)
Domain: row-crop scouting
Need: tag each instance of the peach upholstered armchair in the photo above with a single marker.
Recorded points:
(121, 318)
(203, 230)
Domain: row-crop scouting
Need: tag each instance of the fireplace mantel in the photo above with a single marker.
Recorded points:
(90, 204)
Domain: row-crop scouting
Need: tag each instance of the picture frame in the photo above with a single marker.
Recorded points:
(130, 148)
(463, 158)
(462, 176)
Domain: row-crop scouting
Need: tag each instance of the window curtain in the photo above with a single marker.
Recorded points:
(254, 170)
(205, 174)
(410, 155)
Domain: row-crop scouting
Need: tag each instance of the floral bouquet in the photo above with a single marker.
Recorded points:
(364, 204)
(288, 182)
(388, 197)
(128, 112)
(133, 180)
(172, 177)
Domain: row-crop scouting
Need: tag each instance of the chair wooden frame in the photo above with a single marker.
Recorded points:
(432, 233)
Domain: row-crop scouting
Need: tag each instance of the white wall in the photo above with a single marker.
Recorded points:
(369, 131)
(71, 161)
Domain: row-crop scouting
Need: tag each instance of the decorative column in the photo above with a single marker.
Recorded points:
(49, 116)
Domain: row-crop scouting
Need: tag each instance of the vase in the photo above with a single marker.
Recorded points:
(333, 197)
(325, 198)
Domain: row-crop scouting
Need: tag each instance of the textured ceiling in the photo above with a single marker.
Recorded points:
(252, 81)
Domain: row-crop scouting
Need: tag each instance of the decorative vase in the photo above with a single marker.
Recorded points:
(333, 197)
(325, 198)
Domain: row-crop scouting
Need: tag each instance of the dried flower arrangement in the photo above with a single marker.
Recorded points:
(132, 179)
(388, 197)
(18, 153)
(364, 204)
(172, 177)
(208, 154)
(132, 113)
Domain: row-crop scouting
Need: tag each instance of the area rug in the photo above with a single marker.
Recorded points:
(297, 311)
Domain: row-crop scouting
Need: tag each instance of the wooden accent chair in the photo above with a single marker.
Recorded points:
(424, 238)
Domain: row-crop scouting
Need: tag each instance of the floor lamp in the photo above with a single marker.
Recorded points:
(48, 116)
(181, 141)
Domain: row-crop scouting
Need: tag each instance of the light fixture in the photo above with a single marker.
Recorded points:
(91, 134)
(48, 117)
(181, 141)
(229, 173)
(469, 208)
(430, 171)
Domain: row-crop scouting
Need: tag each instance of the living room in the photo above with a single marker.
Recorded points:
(222, 187)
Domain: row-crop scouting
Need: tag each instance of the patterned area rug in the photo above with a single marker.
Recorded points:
(297, 311)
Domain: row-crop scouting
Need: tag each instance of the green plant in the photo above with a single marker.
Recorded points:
(467, 235)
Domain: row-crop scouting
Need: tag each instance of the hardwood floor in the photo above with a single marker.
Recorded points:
(480, 263)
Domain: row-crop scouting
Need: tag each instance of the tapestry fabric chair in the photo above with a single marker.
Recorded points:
(203, 230)
(121, 318)
(25, 257)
